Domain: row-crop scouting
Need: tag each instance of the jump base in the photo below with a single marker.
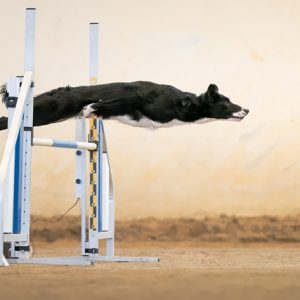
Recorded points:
(80, 260)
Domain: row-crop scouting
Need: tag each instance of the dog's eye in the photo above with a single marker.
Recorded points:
(222, 101)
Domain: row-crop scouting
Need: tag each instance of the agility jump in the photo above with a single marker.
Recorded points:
(15, 172)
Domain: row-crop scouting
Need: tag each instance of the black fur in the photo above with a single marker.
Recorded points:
(157, 102)
(3, 123)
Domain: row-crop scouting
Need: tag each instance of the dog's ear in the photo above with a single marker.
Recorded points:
(212, 90)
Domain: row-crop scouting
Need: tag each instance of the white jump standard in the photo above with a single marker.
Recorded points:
(15, 172)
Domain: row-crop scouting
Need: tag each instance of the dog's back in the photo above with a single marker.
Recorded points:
(67, 102)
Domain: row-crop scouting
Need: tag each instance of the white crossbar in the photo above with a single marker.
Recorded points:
(64, 144)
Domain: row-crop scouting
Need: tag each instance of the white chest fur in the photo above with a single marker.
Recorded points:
(152, 125)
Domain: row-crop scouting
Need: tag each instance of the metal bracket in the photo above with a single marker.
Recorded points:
(11, 102)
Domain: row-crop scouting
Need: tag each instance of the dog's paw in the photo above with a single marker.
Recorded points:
(87, 112)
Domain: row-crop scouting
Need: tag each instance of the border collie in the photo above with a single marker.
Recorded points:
(142, 104)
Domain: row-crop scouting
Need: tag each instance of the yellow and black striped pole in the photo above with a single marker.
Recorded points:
(93, 136)
(93, 247)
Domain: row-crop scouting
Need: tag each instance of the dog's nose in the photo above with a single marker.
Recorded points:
(246, 111)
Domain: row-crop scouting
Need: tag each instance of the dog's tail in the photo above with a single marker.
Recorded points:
(3, 94)
(3, 123)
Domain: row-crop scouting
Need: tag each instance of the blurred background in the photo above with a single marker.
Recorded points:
(250, 49)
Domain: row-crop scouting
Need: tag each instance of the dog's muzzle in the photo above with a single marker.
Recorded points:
(240, 114)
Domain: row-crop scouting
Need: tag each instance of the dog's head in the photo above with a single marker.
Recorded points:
(217, 106)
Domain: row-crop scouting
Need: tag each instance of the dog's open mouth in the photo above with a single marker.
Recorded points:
(240, 115)
(235, 118)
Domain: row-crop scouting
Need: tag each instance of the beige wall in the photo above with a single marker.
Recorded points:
(251, 49)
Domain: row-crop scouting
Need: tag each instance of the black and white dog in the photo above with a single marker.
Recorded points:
(142, 104)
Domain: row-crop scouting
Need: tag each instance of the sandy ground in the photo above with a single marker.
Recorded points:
(222, 257)
(186, 271)
(223, 228)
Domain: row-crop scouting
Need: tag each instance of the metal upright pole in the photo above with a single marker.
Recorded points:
(23, 248)
(81, 179)
(93, 135)
(108, 221)
(104, 214)
(13, 90)
(29, 40)
(23, 153)
(12, 199)
(94, 53)
(3, 261)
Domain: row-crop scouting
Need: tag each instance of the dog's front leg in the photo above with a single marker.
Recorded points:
(119, 106)
(88, 110)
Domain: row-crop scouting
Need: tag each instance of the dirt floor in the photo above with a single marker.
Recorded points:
(223, 228)
(189, 269)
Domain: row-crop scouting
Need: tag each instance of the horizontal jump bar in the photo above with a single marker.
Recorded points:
(64, 144)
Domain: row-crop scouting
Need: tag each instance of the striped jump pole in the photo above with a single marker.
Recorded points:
(94, 163)
(101, 199)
